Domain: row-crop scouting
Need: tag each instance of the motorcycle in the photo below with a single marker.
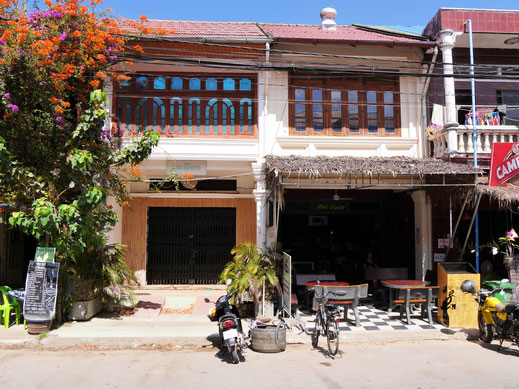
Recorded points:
(229, 325)
(495, 318)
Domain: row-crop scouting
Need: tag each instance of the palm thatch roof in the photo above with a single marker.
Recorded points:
(394, 166)
(505, 196)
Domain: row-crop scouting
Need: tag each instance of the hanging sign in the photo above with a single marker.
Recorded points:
(504, 165)
(41, 286)
(45, 254)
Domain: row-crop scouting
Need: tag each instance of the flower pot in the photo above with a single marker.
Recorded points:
(269, 309)
(85, 310)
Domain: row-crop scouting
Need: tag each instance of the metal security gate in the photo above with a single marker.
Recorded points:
(189, 245)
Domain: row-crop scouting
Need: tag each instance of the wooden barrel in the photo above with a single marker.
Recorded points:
(269, 339)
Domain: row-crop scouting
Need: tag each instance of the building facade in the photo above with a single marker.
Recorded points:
(312, 136)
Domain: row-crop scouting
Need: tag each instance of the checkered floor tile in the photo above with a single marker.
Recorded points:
(372, 319)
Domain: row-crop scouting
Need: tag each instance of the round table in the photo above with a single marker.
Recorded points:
(398, 284)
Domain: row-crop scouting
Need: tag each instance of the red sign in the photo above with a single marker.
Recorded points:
(504, 165)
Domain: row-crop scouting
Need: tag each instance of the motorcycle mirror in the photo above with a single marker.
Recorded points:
(228, 282)
(207, 300)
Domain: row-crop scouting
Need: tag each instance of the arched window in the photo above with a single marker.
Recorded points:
(245, 116)
(229, 84)
(177, 83)
(245, 84)
(228, 116)
(124, 113)
(141, 115)
(194, 84)
(211, 117)
(142, 82)
(175, 115)
(211, 84)
(159, 115)
(159, 83)
(193, 115)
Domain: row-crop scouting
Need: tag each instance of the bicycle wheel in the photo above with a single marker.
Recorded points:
(318, 328)
(332, 331)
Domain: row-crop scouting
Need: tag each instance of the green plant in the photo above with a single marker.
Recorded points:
(250, 270)
(505, 245)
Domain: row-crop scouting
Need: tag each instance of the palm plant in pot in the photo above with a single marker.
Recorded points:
(253, 275)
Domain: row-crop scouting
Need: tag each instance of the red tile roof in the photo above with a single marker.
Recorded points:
(253, 31)
(222, 30)
(343, 33)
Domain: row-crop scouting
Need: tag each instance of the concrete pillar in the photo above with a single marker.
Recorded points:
(260, 195)
(423, 234)
(115, 234)
(447, 41)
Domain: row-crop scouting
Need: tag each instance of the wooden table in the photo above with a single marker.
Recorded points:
(313, 284)
(399, 284)
(310, 285)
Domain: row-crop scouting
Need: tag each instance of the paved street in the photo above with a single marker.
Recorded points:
(433, 364)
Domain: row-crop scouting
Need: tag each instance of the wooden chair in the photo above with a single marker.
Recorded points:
(350, 299)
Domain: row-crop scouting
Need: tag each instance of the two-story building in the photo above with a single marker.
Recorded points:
(307, 135)
(453, 137)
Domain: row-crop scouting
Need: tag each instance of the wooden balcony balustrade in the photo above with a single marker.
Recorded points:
(187, 107)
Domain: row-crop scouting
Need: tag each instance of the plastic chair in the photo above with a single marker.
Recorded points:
(9, 304)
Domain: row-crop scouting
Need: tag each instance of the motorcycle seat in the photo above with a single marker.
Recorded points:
(512, 307)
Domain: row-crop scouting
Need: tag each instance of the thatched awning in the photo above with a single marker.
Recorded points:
(394, 166)
(505, 196)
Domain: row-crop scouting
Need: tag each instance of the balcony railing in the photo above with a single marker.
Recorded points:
(492, 127)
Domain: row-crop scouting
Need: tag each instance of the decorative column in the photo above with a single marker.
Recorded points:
(422, 234)
(260, 195)
(447, 41)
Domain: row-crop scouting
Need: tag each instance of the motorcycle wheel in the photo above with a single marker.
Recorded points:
(486, 331)
(235, 356)
(333, 336)
(317, 330)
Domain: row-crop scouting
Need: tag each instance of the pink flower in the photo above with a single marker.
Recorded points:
(63, 36)
(13, 107)
(512, 234)
(7, 96)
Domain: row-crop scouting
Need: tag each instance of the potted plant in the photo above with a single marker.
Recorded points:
(253, 274)
(506, 245)
(99, 277)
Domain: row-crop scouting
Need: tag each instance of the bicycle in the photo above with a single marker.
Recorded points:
(326, 320)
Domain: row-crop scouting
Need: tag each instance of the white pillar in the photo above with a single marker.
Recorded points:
(115, 234)
(261, 196)
(423, 234)
(447, 41)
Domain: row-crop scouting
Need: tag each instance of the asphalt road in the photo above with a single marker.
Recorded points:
(434, 364)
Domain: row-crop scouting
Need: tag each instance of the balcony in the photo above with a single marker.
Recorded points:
(492, 127)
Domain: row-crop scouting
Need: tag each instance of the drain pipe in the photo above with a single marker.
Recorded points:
(430, 69)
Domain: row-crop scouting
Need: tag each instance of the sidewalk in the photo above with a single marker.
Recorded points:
(169, 318)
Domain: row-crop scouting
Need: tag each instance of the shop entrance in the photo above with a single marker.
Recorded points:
(189, 245)
(343, 236)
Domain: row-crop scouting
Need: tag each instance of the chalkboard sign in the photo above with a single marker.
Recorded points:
(41, 287)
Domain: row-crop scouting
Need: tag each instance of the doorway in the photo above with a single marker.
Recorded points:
(189, 245)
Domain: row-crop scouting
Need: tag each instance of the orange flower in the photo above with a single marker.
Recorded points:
(95, 83)
(143, 18)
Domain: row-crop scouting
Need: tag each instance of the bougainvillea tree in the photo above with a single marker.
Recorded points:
(57, 163)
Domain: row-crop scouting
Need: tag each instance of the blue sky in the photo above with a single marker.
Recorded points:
(380, 12)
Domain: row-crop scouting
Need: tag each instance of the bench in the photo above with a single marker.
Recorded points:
(350, 299)
(423, 295)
